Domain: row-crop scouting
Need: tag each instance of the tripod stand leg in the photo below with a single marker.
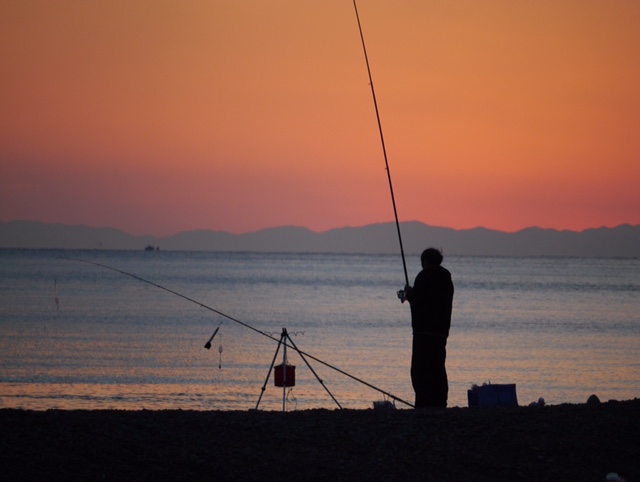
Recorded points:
(310, 368)
(264, 387)
(285, 335)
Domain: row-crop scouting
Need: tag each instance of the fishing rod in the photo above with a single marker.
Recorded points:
(246, 325)
(384, 152)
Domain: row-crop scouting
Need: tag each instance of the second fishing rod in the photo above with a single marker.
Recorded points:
(242, 323)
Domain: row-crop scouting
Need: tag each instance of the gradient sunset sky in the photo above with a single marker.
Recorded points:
(160, 116)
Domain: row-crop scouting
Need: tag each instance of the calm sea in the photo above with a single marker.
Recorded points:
(78, 336)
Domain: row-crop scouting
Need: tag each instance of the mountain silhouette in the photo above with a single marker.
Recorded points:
(621, 241)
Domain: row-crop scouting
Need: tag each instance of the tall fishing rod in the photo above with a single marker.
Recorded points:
(246, 325)
(384, 149)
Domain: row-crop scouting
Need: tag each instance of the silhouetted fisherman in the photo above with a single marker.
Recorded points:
(431, 300)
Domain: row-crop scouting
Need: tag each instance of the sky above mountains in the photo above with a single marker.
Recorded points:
(158, 117)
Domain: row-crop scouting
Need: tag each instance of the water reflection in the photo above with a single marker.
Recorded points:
(561, 329)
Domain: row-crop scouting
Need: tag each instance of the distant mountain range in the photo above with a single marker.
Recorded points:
(622, 241)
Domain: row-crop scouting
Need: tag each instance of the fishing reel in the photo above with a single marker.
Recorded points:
(402, 295)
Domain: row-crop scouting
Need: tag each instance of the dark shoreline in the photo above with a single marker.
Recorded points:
(552, 443)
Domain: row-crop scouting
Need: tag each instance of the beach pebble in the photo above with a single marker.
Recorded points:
(593, 400)
(539, 403)
(613, 477)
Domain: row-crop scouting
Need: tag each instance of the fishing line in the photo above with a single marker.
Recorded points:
(202, 305)
(384, 149)
(207, 345)
(55, 293)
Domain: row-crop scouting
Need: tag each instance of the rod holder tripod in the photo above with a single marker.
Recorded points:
(284, 338)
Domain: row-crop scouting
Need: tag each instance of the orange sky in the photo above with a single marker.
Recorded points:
(163, 116)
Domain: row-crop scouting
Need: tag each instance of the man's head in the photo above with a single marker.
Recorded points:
(431, 257)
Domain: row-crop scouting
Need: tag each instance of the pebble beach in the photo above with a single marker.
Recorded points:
(568, 442)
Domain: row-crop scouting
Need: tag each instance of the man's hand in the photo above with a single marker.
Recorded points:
(403, 294)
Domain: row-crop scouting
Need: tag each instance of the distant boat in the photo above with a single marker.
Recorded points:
(152, 248)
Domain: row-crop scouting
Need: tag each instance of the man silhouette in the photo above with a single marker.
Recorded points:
(431, 300)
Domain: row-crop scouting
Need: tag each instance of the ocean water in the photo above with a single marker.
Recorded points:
(74, 335)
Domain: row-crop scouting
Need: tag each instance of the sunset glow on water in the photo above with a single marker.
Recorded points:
(560, 328)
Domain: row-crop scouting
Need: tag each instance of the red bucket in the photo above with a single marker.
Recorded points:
(279, 376)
